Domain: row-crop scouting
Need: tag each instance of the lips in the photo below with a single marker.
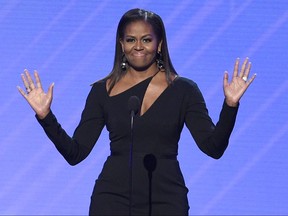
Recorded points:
(138, 54)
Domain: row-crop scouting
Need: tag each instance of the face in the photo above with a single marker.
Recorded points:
(140, 45)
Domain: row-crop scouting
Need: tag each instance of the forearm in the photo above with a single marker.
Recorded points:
(70, 149)
(217, 142)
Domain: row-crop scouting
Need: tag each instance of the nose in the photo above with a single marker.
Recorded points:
(138, 45)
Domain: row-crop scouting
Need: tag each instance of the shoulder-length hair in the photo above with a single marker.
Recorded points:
(158, 27)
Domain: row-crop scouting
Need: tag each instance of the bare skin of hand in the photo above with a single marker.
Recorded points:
(234, 90)
(34, 95)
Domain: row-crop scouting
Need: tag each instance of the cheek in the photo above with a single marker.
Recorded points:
(153, 48)
(152, 52)
(127, 49)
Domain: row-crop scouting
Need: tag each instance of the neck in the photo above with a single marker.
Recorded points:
(137, 74)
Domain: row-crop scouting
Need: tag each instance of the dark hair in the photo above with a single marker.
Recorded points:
(158, 27)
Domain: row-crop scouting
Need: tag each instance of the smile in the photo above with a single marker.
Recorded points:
(138, 54)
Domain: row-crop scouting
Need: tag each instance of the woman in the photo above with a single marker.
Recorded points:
(142, 174)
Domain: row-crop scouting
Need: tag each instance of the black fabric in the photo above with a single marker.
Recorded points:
(156, 132)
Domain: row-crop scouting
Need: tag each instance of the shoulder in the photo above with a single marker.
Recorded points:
(188, 89)
(98, 89)
(185, 83)
(99, 83)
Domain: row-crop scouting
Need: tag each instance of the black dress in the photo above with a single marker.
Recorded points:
(156, 135)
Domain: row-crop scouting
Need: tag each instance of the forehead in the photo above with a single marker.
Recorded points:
(139, 28)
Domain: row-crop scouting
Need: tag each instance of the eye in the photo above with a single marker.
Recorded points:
(147, 40)
(130, 40)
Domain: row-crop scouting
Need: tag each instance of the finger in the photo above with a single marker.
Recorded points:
(247, 70)
(243, 68)
(21, 92)
(225, 79)
(251, 79)
(24, 79)
(37, 78)
(50, 90)
(30, 81)
(236, 67)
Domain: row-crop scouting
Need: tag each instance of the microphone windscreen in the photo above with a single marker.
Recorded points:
(134, 104)
(150, 162)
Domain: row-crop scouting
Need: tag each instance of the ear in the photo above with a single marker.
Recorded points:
(122, 44)
(160, 46)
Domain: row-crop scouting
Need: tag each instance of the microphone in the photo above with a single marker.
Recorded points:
(150, 163)
(133, 107)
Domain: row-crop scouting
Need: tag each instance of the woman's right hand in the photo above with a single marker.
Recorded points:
(35, 96)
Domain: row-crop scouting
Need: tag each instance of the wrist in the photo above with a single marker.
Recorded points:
(231, 103)
(43, 114)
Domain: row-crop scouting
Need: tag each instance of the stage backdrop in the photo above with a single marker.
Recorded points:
(72, 43)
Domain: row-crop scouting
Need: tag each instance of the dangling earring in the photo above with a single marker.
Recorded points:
(123, 63)
(159, 60)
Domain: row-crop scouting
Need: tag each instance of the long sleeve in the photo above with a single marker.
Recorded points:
(76, 148)
(211, 139)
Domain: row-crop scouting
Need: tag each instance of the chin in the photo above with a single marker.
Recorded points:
(141, 67)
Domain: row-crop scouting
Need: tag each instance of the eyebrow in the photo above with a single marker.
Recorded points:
(150, 35)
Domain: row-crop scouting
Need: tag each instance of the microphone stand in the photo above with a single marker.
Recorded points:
(131, 162)
(133, 106)
(150, 163)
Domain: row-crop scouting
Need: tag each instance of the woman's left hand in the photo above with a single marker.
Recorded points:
(234, 90)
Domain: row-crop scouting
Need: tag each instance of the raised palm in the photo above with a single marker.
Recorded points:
(35, 96)
(234, 90)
